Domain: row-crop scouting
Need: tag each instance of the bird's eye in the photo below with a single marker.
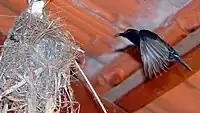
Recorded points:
(128, 31)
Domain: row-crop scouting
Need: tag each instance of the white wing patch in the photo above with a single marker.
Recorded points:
(154, 55)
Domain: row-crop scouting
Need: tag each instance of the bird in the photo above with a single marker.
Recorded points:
(156, 54)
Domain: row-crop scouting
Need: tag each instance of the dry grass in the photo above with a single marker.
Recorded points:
(35, 67)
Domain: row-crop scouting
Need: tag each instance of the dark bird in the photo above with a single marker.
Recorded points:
(156, 54)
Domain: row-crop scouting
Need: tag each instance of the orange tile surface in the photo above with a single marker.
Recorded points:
(184, 98)
(115, 10)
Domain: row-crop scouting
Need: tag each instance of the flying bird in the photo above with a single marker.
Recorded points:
(156, 54)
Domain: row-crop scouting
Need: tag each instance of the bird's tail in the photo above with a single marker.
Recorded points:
(176, 56)
(180, 60)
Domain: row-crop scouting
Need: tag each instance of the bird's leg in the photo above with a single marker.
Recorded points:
(125, 49)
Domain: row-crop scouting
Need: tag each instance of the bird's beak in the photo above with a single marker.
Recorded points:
(118, 34)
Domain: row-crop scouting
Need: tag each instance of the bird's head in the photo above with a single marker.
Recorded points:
(128, 33)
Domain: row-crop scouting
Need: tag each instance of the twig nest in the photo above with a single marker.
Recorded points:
(35, 66)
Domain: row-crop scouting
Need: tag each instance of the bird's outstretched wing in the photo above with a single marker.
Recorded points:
(156, 53)
(154, 56)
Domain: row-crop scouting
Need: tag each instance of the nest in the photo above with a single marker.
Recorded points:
(35, 67)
